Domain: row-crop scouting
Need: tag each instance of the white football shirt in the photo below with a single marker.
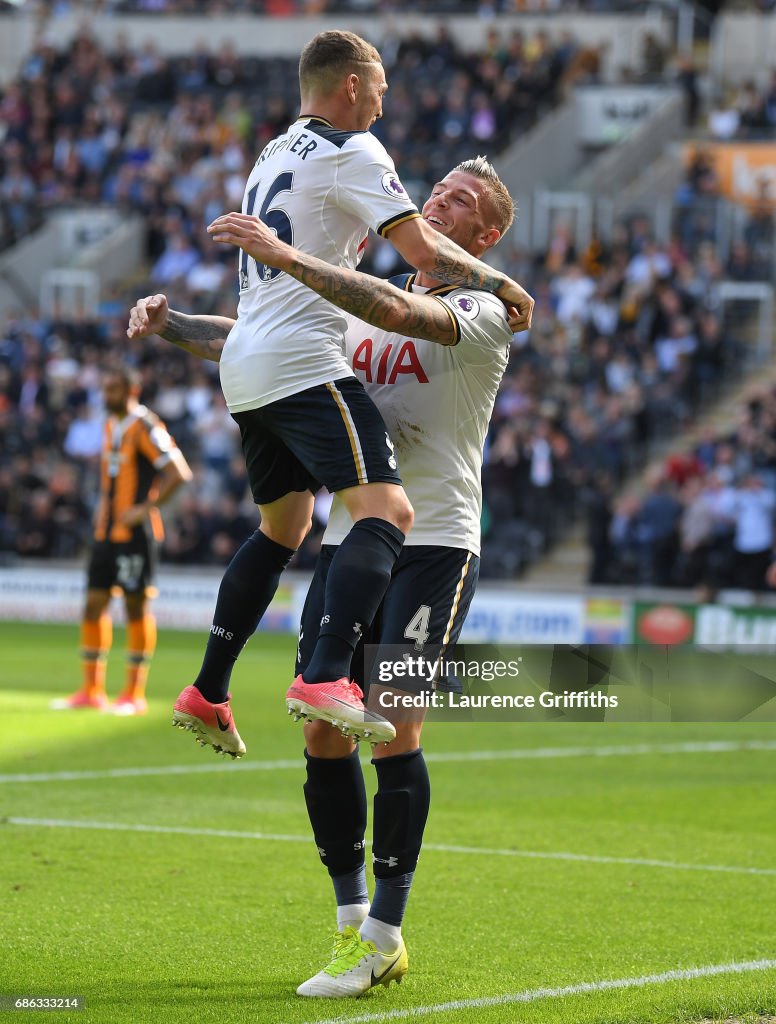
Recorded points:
(436, 401)
(320, 190)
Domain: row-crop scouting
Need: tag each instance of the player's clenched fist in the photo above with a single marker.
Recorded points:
(519, 304)
(148, 316)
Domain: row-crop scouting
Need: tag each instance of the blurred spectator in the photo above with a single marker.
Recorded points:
(83, 439)
(752, 510)
(598, 501)
(687, 79)
(724, 118)
(573, 290)
(659, 518)
(627, 542)
(176, 262)
(37, 530)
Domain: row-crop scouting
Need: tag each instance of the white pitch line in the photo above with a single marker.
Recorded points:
(645, 862)
(171, 769)
(179, 830)
(534, 994)
(441, 757)
(583, 858)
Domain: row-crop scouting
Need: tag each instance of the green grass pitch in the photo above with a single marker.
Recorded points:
(164, 926)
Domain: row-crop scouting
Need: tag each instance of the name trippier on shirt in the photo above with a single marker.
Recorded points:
(295, 142)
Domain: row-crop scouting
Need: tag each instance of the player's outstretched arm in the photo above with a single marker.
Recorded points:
(370, 299)
(202, 336)
(435, 254)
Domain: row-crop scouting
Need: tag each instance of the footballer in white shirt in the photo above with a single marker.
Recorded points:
(304, 419)
(432, 361)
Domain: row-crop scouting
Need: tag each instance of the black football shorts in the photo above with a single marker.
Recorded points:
(130, 565)
(331, 435)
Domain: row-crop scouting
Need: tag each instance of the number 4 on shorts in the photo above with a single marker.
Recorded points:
(417, 628)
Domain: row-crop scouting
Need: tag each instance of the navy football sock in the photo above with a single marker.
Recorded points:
(390, 902)
(350, 889)
(400, 812)
(247, 587)
(336, 805)
(357, 581)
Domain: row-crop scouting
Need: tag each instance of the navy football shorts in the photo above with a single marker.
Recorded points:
(423, 610)
(331, 435)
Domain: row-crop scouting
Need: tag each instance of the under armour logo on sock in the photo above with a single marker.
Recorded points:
(321, 853)
(392, 862)
(357, 628)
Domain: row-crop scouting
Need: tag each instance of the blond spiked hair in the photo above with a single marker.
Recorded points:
(500, 200)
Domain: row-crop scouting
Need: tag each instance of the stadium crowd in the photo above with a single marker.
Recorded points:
(707, 518)
(745, 111)
(704, 218)
(174, 137)
(626, 343)
(627, 340)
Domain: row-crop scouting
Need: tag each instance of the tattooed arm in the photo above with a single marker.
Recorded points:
(376, 302)
(435, 254)
(444, 260)
(202, 336)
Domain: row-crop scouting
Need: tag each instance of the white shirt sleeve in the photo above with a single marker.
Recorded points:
(482, 324)
(369, 187)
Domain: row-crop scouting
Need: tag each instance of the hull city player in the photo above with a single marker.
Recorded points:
(436, 397)
(140, 468)
(304, 418)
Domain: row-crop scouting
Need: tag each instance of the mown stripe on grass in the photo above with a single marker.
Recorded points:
(584, 858)
(535, 994)
(439, 757)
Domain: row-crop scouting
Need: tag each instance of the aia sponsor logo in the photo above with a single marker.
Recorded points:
(387, 366)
